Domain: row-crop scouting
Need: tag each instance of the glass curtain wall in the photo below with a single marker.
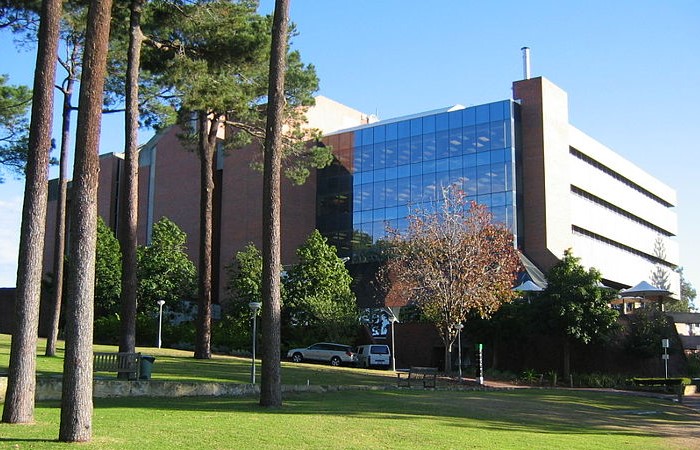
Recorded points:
(384, 169)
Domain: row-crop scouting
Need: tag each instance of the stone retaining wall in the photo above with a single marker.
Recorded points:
(49, 388)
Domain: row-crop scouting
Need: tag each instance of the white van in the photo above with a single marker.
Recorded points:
(373, 355)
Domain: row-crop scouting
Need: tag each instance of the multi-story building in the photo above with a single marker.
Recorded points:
(555, 187)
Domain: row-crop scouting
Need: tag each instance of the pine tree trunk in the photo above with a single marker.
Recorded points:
(207, 145)
(60, 243)
(21, 382)
(129, 207)
(76, 403)
(271, 381)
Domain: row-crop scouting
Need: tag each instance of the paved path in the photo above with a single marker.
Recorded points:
(692, 401)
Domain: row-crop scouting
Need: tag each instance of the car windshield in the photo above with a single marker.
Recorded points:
(380, 350)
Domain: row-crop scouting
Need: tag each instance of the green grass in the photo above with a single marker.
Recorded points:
(178, 365)
(521, 418)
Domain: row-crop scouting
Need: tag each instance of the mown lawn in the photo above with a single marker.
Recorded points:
(524, 418)
(442, 419)
(178, 365)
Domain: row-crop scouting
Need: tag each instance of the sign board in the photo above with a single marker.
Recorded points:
(665, 343)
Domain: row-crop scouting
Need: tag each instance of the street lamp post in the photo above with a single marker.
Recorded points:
(160, 321)
(459, 327)
(393, 321)
(254, 307)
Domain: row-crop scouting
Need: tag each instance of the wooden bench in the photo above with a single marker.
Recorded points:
(120, 362)
(426, 375)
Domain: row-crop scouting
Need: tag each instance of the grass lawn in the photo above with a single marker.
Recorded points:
(178, 365)
(521, 418)
(524, 418)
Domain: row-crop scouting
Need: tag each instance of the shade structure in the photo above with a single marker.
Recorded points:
(528, 286)
(645, 290)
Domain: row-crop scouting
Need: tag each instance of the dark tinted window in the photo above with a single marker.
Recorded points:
(379, 350)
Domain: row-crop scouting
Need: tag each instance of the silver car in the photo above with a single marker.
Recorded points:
(335, 354)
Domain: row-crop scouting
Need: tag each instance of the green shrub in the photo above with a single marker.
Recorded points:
(180, 336)
(495, 374)
(106, 330)
(661, 381)
(530, 376)
(694, 366)
(600, 380)
(232, 335)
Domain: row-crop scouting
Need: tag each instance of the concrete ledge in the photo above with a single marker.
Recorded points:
(50, 388)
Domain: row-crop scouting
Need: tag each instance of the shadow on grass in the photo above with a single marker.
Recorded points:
(30, 441)
(532, 411)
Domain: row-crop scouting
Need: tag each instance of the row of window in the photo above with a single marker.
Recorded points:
(622, 179)
(375, 230)
(468, 117)
(602, 239)
(481, 180)
(435, 166)
(493, 201)
(432, 146)
(619, 211)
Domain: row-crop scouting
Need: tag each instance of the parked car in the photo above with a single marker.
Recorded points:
(373, 355)
(335, 354)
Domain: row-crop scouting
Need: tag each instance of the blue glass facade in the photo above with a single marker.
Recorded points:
(384, 168)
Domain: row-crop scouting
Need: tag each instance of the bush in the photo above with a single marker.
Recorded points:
(179, 336)
(694, 366)
(107, 329)
(530, 376)
(495, 374)
(232, 335)
(661, 381)
(600, 380)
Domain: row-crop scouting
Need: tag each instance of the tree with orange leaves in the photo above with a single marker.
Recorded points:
(453, 261)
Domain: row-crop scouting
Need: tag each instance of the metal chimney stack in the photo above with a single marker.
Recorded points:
(526, 62)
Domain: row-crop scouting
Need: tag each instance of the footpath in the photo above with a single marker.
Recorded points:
(692, 402)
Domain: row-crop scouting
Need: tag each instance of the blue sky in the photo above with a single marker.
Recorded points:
(630, 68)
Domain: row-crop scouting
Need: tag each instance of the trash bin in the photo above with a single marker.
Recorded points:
(146, 367)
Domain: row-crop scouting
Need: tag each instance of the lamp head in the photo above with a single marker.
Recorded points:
(254, 306)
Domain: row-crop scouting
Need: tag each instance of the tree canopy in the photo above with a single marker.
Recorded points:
(245, 277)
(318, 303)
(687, 296)
(575, 305)
(213, 56)
(453, 260)
(317, 294)
(108, 271)
(164, 270)
(14, 126)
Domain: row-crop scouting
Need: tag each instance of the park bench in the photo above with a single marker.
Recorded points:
(120, 362)
(426, 375)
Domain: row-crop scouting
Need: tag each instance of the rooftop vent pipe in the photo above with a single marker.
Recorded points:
(526, 62)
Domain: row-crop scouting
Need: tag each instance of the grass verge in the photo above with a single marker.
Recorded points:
(178, 365)
(525, 418)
